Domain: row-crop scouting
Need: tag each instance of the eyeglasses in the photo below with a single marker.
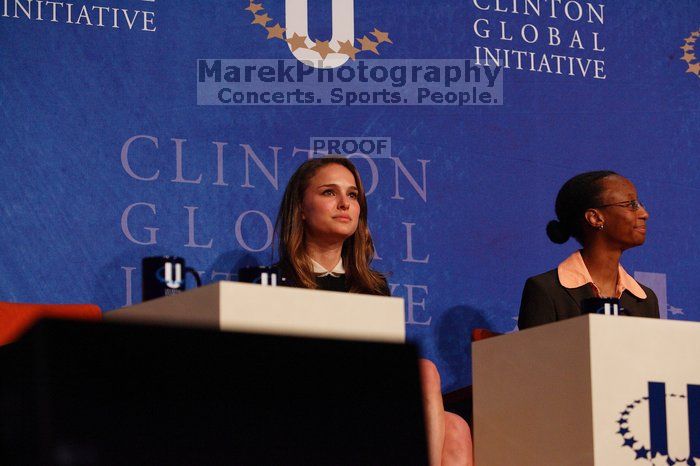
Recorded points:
(634, 205)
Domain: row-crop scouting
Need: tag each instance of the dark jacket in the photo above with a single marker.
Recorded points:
(545, 300)
(328, 283)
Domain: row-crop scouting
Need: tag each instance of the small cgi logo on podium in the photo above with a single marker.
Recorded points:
(665, 413)
(318, 53)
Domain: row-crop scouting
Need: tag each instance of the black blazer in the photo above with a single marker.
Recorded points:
(545, 300)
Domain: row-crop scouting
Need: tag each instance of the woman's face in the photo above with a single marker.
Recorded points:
(330, 208)
(622, 225)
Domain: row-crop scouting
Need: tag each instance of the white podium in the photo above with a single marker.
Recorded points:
(594, 390)
(278, 310)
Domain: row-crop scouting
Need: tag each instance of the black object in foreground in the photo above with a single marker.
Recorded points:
(75, 393)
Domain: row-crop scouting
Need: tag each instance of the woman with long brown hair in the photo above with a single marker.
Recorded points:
(324, 240)
(325, 243)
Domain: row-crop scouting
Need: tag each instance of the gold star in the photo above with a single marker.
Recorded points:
(695, 34)
(262, 20)
(687, 48)
(322, 48)
(694, 68)
(368, 44)
(254, 8)
(348, 49)
(381, 36)
(297, 42)
(690, 40)
(688, 57)
(275, 31)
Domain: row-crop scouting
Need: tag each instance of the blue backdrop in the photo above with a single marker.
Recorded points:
(107, 156)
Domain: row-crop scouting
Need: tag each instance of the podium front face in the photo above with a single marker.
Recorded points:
(593, 390)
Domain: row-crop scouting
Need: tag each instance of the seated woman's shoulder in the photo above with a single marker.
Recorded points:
(386, 291)
(547, 278)
(650, 305)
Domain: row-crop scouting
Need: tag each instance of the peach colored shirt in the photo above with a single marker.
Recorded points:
(574, 274)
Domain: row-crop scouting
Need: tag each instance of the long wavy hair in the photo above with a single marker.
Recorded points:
(358, 249)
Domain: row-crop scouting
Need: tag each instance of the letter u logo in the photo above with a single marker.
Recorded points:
(657, 419)
(297, 21)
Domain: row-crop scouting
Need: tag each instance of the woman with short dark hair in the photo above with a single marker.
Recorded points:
(602, 212)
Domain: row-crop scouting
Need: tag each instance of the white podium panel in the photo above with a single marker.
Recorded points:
(252, 308)
(593, 390)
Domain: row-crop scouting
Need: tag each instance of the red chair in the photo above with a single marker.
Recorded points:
(16, 318)
(483, 333)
